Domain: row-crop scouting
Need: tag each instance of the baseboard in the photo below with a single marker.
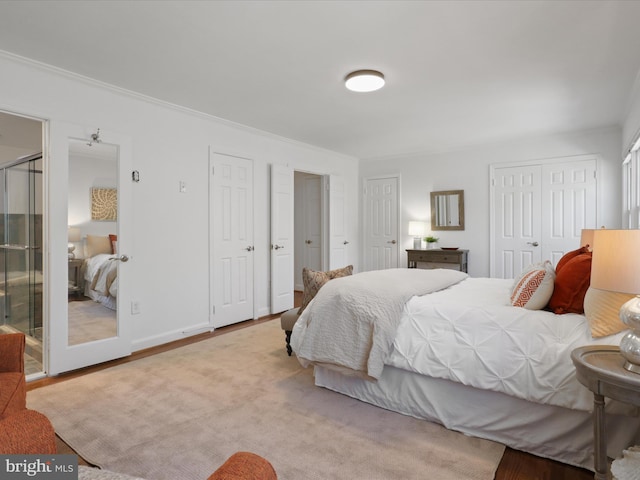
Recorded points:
(172, 336)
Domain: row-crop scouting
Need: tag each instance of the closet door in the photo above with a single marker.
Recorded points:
(231, 234)
(517, 232)
(538, 211)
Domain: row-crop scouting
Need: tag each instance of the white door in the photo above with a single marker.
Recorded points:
(539, 211)
(381, 239)
(338, 241)
(282, 244)
(517, 233)
(312, 222)
(231, 233)
(68, 348)
(569, 198)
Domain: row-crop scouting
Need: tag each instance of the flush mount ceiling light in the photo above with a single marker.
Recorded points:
(364, 81)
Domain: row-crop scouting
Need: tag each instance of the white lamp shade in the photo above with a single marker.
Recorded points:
(74, 234)
(616, 261)
(417, 229)
(586, 238)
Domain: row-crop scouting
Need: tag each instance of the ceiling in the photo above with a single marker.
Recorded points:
(459, 73)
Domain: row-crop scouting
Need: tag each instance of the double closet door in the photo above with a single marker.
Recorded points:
(538, 211)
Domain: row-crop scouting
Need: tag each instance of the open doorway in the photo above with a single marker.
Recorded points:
(21, 233)
(308, 225)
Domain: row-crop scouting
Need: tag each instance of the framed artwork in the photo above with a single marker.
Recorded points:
(104, 204)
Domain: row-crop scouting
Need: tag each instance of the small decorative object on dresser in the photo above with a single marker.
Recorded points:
(438, 258)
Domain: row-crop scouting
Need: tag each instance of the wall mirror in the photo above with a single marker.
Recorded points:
(447, 210)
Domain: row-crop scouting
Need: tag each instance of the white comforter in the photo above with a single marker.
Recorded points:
(470, 334)
(101, 274)
(352, 321)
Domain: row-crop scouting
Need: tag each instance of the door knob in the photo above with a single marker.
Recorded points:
(308, 242)
(345, 243)
(278, 247)
(122, 258)
(249, 248)
(535, 244)
(392, 242)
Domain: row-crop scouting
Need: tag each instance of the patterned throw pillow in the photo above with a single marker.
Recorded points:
(533, 289)
(314, 280)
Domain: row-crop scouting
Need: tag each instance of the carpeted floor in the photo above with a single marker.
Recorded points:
(181, 413)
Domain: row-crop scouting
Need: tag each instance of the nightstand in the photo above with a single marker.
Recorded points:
(601, 369)
(438, 258)
(75, 276)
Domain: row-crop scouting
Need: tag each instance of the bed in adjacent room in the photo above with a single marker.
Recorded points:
(448, 348)
(101, 270)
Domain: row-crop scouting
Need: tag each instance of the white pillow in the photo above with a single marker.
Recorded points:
(533, 289)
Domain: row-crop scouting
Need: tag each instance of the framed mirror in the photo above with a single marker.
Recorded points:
(447, 210)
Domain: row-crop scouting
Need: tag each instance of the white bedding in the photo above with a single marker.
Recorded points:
(373, 302)
(101, 281)
(470, 334)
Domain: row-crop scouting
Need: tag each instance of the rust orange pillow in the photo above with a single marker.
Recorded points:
(114, 242)
(568, 256)
(570, 287)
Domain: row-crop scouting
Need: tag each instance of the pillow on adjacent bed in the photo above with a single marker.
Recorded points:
(602, 309)
(314, 280)
(533, 289)
(114, 243)
(96, 245)
(572, 281)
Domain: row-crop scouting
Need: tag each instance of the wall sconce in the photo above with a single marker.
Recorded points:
(417, 231)
(616, 268)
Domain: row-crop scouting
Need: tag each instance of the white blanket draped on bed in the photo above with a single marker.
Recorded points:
(352, 321)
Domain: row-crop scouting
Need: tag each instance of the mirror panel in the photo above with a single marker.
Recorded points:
(93, 228)
(447, 210)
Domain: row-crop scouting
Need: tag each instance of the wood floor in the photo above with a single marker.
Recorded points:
(515, 465)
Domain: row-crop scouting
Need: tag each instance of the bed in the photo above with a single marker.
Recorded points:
(101, 270)
(460, 354)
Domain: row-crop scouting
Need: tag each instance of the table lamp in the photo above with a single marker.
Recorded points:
(616, 267)
(586, 238)
(73, 236)
(417, 231)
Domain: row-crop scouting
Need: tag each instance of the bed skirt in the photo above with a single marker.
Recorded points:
(547, 431)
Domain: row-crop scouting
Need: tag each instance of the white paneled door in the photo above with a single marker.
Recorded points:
(282, 245)
(539, 211)
(338, 241)
(312, 222)
(231, 236)
(381, 247)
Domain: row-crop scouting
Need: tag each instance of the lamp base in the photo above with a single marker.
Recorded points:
(632, 367)
(417, 243)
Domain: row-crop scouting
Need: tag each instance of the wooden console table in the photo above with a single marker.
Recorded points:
(438, 258)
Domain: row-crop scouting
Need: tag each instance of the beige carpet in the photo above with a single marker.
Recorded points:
(178, 415)
(89, 321)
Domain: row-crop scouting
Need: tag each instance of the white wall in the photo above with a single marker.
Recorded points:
(170, 233)
(469, 170)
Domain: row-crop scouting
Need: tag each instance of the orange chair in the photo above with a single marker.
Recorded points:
(22, 431)
(245, 466)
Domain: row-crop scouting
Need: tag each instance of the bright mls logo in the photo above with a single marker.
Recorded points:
(49, 467)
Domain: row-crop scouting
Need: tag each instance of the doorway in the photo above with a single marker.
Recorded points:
(308, 225)
(21, 234)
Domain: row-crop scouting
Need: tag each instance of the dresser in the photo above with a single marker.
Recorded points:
(438, 258)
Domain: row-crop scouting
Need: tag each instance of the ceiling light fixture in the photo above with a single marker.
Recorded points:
(364, 81)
